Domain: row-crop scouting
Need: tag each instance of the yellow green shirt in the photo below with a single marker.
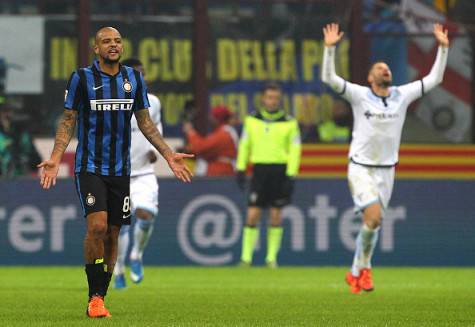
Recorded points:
(270, 138)
(331, 132)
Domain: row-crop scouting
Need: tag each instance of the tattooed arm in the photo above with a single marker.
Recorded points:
(63, 135)
(150, 130)
(175, 160)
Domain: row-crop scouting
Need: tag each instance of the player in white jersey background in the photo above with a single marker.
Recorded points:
(379, 112)
(143, 194)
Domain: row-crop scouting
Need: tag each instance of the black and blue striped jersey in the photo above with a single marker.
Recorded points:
(105, 105)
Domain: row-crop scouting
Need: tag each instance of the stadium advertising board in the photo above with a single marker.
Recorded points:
(428, 223)
(240, 62)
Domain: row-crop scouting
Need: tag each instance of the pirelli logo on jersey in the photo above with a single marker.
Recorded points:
(112, 104)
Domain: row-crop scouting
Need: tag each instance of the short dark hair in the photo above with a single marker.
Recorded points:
(375, 63)
(132, 62)
(271, 86)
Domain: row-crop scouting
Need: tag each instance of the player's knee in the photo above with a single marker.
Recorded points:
(372, 217)
(252, 221)
(253, 216)
(373, 223)
(275, 222)
(98, 229)
(143, 214)
(373, 220)
(145, 224)
(275, 217)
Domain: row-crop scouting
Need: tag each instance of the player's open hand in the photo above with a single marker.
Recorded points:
(177, 164)
(441, 35)
(332, 34)
(49, 171)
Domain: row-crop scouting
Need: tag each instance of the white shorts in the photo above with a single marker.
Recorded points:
(144, 193)
(370, 185)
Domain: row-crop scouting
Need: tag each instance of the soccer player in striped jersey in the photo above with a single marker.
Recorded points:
(379, 112)
(143, 193)
(101, 99)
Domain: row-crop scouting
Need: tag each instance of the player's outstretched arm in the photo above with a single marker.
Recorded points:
(436, 74)
(332, 35)
(64, 133)
(441, 35)
(175, 160)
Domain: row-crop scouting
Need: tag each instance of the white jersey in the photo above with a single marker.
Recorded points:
(140, 146)
(378, 121)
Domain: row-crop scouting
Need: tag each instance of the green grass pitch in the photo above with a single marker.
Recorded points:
(288, 296)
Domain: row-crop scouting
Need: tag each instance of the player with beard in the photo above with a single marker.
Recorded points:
(102, 98)
(379, 112)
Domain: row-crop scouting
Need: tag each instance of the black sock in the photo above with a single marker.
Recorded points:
(95, 278)
(107, 280)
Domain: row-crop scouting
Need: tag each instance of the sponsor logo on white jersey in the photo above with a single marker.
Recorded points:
(368, 114)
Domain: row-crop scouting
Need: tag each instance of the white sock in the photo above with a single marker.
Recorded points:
(142, 232)
(122, 250)
(365, 244)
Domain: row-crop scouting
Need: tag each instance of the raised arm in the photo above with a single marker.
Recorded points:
(64, 133)
(416, 89)
(175, 160)
(436, 74)
(331, 35)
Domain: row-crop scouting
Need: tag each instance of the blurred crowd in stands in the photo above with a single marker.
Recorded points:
(18, 155)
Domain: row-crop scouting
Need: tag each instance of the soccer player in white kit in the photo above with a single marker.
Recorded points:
(143, 193)
(379, 112)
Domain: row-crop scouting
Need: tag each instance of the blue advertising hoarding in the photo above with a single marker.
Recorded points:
(428, 223)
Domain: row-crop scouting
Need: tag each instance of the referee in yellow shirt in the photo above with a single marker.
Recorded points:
(270, 141)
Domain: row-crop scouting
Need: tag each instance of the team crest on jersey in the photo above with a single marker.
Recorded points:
(90, 199)
(127, 86)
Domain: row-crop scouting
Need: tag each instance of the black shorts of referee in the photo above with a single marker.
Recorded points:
(270, 186)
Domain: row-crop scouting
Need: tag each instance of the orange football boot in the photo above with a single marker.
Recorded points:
(96, 308)
(366, 280)
(353, 282)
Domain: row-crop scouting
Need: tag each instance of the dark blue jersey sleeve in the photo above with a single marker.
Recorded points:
(72, 95)
(141, 98)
